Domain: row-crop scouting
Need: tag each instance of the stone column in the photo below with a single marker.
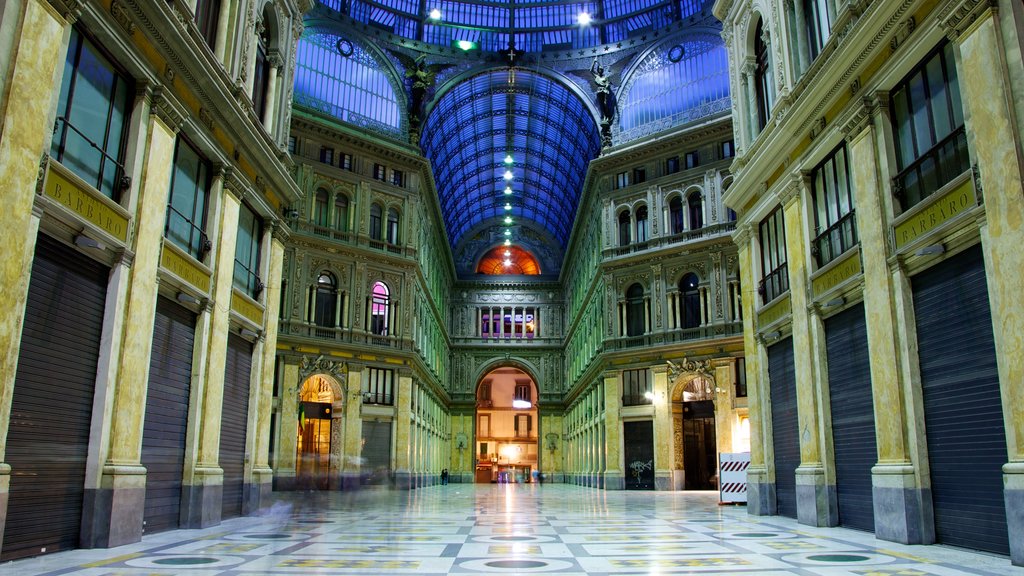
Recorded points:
(403, 422)
(614, 474)
(647, 314)
(114, 510)
(760, 488)
(271, 102)
(753, 124)
(725, 416)
(815, 500)
(220, 43)
(902, 509)
(262, 473)
(988, 102)
(205, 496)
(353, 429)
(26, 134)
(703, 293)
(252, 36)
(662, 428)
(801, 40)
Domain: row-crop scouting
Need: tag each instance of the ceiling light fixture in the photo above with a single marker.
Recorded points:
(508, 253)
(508, 219)
(509, 175)
(507, 262)
(508, 242)
(509, 159)
(583, 19)
(508, 190)
(508, 206)
(465, 45)
(435, 14)
(508, 232)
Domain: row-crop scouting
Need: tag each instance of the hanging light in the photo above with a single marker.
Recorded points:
(509, 175)
(508, 242)
(508, 190)
(509, 159)
(507, 262)
(508, 205)
(508, 233)
(508, 219)
(508, 253)
(583, 18)
(435, 14)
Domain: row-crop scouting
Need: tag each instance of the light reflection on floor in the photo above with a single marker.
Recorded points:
(511, 529)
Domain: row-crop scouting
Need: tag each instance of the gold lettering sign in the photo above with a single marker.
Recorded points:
(183, 268)
(774, 313)
(246, 308)
(85, 202)
(841, 272)
(941, 210)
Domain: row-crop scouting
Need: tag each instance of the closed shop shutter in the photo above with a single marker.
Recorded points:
(785, 438)
(234, 420)
(853, 416)
(166, 424)
(638, 453)
(52, 405)
(376, 452)
(962, 404)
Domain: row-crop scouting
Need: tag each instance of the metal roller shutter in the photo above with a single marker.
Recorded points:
(638, 453)
(52, 405)
(853, 416)
(166, 424)
(962, 403)
(234, 421)
(376, 452)
(785, 426)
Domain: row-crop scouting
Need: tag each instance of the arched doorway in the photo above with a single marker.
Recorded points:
(318, 403)
(696, 442)
(506, 427)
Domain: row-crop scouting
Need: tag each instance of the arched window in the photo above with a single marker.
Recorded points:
(261, 76)
(392, 226)
(341, 212)
(762, 76)
(320, 207)
(325, 309)
(689, 302)
(380, 302)
(696, 207)
(375, 221)
(624, 228)
(675, 213)
(641, 224)
(635, 310)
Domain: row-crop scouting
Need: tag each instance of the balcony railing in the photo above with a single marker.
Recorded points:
(686, 236)
(710, 331)
(774, 283)
(933, 169)
(836, 239)
(342, 335)
(344, 236)
(635, 400)
(384, 398)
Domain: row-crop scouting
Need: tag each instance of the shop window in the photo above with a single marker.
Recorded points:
(186, 208)
(772, 234)
(636, 387)
(92, 117)
(834, 220)
(635, 320)
(247, 253)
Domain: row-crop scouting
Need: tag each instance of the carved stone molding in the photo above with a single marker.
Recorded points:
(956, 16)
(857, 119)
(309, 366)
(167, 108)
(122, 16)
(903, 31)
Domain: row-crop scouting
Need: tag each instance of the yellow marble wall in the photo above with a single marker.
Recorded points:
(614, 465)
(402, 424)
(265, 392)
(663, 436)
(353, 441)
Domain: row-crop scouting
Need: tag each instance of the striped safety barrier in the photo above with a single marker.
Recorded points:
(732, 470)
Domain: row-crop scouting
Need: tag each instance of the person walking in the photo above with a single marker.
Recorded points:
(444, 477)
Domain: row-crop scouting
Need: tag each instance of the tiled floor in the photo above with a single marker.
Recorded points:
(511, 529)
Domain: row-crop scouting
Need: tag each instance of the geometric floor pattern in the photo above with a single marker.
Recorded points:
(510, 529)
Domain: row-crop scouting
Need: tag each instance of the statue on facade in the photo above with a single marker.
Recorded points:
(602, 80)
(420, 79)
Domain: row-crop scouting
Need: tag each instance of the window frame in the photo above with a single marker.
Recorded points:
(252, 285)
(774, 256)
(827, 202)
(197, 232)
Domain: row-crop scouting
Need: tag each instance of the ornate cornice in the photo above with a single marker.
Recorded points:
(956, 16)
(857, 119)
(167, 108)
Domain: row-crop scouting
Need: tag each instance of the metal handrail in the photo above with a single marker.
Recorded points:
(124, 181)
(943, 177)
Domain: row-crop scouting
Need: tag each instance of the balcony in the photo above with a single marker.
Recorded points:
(341, 335)
(346, 237)
(704, 233)
(708, 332)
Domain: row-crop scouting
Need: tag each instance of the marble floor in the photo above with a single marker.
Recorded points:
(510, 529)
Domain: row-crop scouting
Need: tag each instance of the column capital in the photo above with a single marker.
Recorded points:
(958, 17)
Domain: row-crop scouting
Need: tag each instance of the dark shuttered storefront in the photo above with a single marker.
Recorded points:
(234, 419)
(638, 452)
(376, 453)
(785, 439)
(853, 416)
(51, 410)
(166, 424)
(962, 404)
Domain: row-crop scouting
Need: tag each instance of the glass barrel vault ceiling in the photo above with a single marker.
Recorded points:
(548, 131)
(535, 25)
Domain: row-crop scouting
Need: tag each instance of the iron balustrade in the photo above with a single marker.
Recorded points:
(774, 283)
(121, 181)
(932, 170)
(383, 398)
(204, 241)
(685, 236)
(635, 400)
(836, 239)
(344, 236)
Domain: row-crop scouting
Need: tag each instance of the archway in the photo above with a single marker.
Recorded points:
(505, 446)
(319, 403)
(693, 415)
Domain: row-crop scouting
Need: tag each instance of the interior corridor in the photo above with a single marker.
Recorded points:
(510, 529)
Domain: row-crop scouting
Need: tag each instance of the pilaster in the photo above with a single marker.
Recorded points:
(614, 473)
(353, 429)
(262, 473)
(402, 432)
(662, 428)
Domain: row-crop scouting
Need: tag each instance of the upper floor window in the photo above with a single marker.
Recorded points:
(772, 234)
(321, 207)
(763, 86)
(636, 387)
(397, 178)
(186, 207)
(346, 161)
(327, 155)
(207, 14)
(624, 228)
(341, 212)
(523, 425)
(728, 149)
(392, 237)
(380, 309)
(293, 144)
(376, 213)
(621, 180)
(696, 206)
(689, 301)
(261, 75)
(247, 253)
(817, 25)
(639, 175)
(641, 224)
(741, 377)
(379, 172)
(672, 165)
(675, 214)
(378, 388)
(928, 123)
(834, 220)
(92, 117)
(692, 160)
(635, 309)
(325, 311)
(521, 397)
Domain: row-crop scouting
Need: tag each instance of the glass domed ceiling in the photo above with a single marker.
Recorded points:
(535, 25)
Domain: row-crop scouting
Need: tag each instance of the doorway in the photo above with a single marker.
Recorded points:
(506, 427)
(313, 447)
